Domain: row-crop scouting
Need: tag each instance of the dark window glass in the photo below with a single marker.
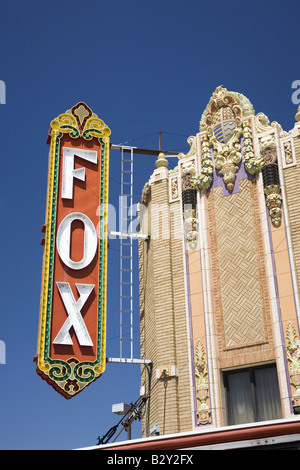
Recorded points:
(252, 395)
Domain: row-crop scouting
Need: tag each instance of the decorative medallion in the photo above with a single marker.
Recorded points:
(224, 124)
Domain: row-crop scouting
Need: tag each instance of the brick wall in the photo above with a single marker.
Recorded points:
(163, 316)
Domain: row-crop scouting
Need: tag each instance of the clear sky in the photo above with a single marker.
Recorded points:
(142, 66)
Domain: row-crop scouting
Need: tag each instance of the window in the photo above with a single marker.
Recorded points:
(252, 395)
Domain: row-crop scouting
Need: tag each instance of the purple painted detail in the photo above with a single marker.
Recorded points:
(241, 174)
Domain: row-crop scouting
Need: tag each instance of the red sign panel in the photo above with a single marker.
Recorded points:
(71, 346)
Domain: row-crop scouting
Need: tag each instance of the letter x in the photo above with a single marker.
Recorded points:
(73, 309)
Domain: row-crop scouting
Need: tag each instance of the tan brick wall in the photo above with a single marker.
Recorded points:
(181, 326)
(163, 318)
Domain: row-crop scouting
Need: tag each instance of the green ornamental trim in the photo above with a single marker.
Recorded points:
(57, 366)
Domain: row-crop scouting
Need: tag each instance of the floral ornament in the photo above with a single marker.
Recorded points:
(190, 226)
(201, 374)
(293, 357)
(205, 177)
(274, 203)
(271, 180)
(253, 165)
(293, 349)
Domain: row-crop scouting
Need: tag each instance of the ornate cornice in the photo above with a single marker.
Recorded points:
(221, 97)
(223, 124)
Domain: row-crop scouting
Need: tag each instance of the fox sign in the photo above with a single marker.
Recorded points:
(71, 351)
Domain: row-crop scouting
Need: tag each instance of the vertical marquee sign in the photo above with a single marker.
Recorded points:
(72, 328)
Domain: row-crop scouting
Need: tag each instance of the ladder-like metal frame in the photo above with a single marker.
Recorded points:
(126, 278)
(126, 237)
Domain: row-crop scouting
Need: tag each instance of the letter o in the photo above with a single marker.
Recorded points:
(63, 240)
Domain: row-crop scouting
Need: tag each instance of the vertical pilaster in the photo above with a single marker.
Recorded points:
(165, 367)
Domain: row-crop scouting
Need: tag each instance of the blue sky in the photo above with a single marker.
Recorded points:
(142, 67)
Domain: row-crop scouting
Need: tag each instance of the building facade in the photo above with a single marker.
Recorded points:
(219, 274)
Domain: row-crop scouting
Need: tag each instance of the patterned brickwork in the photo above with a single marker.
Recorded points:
(244, 334)
(239, 275)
